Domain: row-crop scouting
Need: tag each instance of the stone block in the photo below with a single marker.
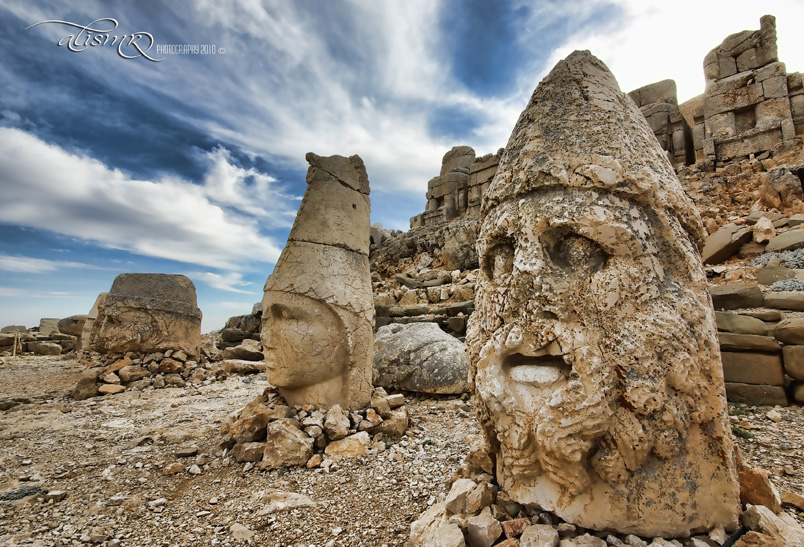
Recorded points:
(735, 296)
(747, 60)
(771, 112)
(785, 300)
(788, 130)
(722, 125)
(771, 70)
(724, 243)
(774, 88)
(796, 220)
(748, 95)
(771, 274)
(43, 348)
(753, 368)
(788, 241)
(797, 392)
(740, 324)
(790, 331)
(748, 342)
(794, 361)
(754, 142)
(658, 92)
(754, 394)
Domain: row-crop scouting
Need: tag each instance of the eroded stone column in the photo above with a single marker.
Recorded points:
(318, 308)
(593, 348)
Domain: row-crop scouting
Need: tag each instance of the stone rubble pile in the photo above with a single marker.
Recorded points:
(52, 337)
(476, 514)
(760, 305)
(138, 371)
(276, 435)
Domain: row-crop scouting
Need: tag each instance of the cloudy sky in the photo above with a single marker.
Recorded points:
(193, 162)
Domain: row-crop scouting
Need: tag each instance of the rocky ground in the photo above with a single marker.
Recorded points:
(94, 471)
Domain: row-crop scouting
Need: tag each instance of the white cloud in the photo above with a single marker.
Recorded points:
(47, 187)
(226, 282)
(36, 265)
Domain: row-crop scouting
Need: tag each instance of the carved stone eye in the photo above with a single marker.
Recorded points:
(499, 262)
(577, 253)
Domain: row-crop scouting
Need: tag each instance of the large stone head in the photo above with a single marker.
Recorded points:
(593, 347)
(318, 311)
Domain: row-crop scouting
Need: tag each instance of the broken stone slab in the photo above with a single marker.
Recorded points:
(43, 348)
(740, 324)
(759, 518)
(239, 366)
(420, 357)
(753, 368)
(788, 241)
(769, 316)
(724, 243)
(756, 395)
(751, 250)
(87, 385)
(287, 445)
(735, 296)
(748, 342)
(248, 451)
(769, 275)
(796, 220)
(794, 361)
(278, 501)
(789, 300)
(350, 447)
(483, 529)
(248, 350)
(111, 389)
(756, 488)
(797, 392)
(790, 331)
(395, 425)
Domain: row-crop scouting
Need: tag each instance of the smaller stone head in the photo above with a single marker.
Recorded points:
(318, 312)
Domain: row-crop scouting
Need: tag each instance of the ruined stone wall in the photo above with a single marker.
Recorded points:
(659, 104)
(751, 104)
(457, 190)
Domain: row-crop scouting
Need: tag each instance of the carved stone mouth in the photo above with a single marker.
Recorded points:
(539, 371)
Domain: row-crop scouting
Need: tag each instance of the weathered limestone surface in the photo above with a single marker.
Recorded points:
(146, 313)
(318, 311)
(593, 348)
(420, 357)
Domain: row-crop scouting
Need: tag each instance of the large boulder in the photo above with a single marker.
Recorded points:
(420, 357)
(148, 313)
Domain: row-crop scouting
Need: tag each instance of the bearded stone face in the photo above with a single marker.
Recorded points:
(594, 358)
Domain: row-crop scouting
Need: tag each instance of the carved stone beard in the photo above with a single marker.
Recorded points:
(614, 408)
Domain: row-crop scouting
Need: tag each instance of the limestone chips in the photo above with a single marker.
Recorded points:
(593, 346)
(318, 311)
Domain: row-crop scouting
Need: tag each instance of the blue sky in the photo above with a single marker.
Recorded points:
(195, 164)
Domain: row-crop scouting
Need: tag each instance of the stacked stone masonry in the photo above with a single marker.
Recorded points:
(659, 104)
(751, 104)
(456, 192)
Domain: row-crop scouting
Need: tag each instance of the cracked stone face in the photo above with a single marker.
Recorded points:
(593, 347)
(302, 330)
(318, 309)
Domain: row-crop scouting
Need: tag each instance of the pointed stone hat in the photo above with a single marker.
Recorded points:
(326, 256)
(571, 135)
